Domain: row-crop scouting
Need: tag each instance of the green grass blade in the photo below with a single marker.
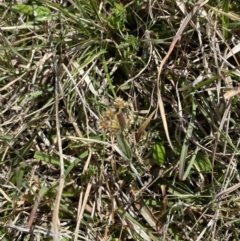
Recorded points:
(225, 19)
(186, 141)
(189, 167)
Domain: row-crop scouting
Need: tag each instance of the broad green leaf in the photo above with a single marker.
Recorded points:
(32, 10)
(202, 163)
(46, 158)
(159, 153)
(23, 8)
(6, 138)
(234, 101)
(124, 145)
(43, 190)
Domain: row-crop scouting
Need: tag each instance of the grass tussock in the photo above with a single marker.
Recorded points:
(119, 120)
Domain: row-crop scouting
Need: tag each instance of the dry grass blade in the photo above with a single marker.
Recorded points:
(184, 24)
(230, 15)
(36, 206)
(231, 93)
(55, 214)
(137, 228)
(143, 127)
(83, 198)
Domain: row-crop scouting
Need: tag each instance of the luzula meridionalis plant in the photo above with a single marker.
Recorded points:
(115, 119)
(114, 122)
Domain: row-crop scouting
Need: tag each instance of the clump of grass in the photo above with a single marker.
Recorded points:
(85, 152)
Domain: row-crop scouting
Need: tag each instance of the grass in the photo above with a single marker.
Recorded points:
(97, 142)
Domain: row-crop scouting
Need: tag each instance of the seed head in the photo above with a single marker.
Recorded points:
(115, 125)
(103, 125)
(109, 114)
(119, 103)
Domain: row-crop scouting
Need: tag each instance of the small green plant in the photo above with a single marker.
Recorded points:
(90, 172)
(159, 153)
(117, 18)
(38, 13)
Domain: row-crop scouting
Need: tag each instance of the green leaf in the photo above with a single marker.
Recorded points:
(40, 93)
(24, 151)
(43, 190)
(202, 163)
(46, 158)
(225, 19)
(190, 163)
(159, 153)
(118, 18)
(124, 145)
(23, 8)
(32, 10)
(19, 174)
(186, 143)
(75, 162)
(137, 225)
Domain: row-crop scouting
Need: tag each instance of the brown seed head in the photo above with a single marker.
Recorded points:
(103, 125)
(109, 114)
(119, 103)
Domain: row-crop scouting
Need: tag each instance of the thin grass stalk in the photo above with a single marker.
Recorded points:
(55, 215)
(186, 143)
